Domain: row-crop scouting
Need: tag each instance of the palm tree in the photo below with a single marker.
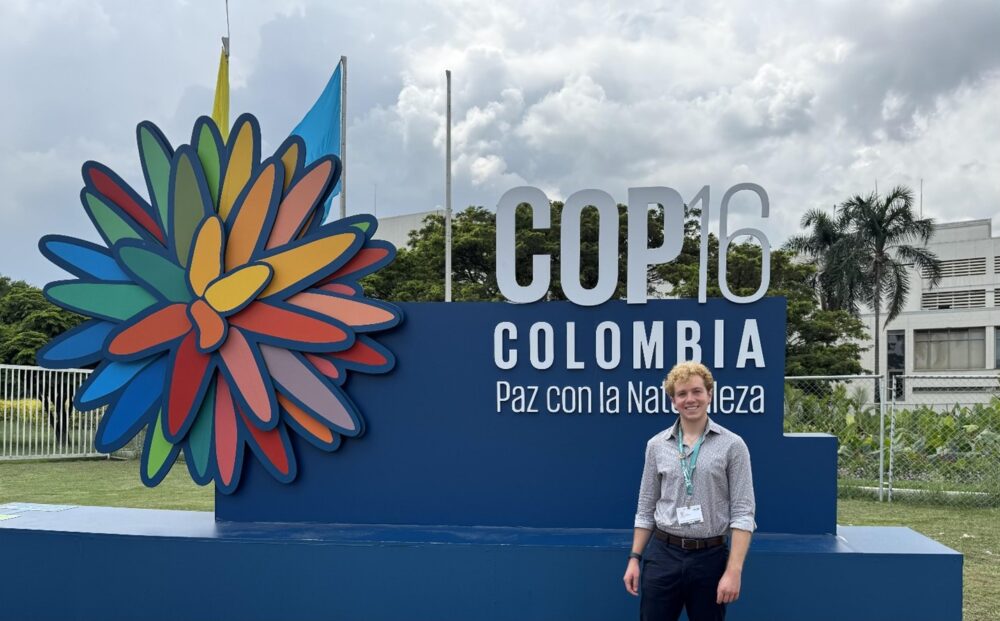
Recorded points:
(821, 245)
(871, 260)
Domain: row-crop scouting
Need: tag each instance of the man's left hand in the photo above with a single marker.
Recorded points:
(729, 587)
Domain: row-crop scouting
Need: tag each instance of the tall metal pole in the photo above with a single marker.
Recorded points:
(447, 196)
(343, 137)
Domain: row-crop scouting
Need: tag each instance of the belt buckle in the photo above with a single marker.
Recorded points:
(689, 544)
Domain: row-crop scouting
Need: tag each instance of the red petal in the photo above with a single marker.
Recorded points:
(185, 381)
(270, 443)
(262, 318)
(361, 354)
(364, 258)
(113, 191)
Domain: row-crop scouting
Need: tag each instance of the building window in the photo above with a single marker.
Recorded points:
(896, 360)
(954, 349)
(941, 300)
(960, 267)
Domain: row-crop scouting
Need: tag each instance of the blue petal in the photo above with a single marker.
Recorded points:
(108, 378)
(77, 347)
(129, 413)
(82, 258)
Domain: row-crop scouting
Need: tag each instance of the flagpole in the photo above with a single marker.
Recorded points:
(343, 136)
(447, 195)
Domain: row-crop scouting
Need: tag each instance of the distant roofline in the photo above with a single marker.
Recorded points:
(955, 225)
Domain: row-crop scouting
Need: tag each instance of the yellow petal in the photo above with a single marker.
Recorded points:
(296, 264)
(206, 259)
(234, 290)
(238, 169)
(290, 159)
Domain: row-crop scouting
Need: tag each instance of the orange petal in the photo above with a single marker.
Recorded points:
(309, 423)
(248, 225)
(211, 327)
(156, 329)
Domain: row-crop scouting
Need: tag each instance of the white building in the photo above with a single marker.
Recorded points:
(952, 328)
(396, 229)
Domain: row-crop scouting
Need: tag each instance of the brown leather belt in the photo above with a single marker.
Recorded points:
(689, 544)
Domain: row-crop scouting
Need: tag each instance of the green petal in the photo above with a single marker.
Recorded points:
(159, 272)
(158, 455)
(200, 436)
(208, 154)
(112, 301)
(188, 202)
(155, 156)
(112, 227)
(362, 225)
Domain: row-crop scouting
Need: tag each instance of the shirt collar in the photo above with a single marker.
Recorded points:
(713, 427)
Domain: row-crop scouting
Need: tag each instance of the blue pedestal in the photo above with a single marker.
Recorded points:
(105, 563)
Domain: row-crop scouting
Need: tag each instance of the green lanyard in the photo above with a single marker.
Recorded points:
(689, 464)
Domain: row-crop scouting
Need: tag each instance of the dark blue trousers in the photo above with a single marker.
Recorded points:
(673, 579)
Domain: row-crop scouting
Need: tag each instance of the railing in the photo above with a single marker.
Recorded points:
(928, 437)
(37, 417)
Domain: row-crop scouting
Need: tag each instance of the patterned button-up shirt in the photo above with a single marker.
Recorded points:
(723, 485)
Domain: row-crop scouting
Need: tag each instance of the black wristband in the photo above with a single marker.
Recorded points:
(635, 555)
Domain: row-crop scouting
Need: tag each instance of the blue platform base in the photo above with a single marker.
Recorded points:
(108, 564)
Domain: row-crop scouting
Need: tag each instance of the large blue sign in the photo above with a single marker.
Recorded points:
(537, 415)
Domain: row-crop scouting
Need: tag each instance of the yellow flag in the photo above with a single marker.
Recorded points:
(220, 109)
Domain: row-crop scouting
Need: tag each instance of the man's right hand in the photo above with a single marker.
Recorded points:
(632, 576)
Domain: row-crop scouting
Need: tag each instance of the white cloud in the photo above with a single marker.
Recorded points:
(815, 102)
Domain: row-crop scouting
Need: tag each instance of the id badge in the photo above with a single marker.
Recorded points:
(689, 515)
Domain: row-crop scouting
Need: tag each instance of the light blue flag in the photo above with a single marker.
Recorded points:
(320, 129)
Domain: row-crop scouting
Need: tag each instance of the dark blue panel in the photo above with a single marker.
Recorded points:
(436, 451)
(111, 564)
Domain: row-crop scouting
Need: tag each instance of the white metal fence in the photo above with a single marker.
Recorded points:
(919, 437)
(37, 418)
(926, 438)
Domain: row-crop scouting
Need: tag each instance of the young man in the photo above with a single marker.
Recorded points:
(696, 489)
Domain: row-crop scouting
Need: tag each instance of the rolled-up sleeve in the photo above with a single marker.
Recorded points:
(742, 506)
(649, 492)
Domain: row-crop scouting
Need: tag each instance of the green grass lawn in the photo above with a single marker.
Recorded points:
(975, 532)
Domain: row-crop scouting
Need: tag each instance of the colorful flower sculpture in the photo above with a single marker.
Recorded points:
(224, 313)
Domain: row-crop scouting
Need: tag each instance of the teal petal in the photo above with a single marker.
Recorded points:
(160, 273)
(112, 301)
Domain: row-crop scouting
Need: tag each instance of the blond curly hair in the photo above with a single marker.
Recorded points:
(684, 371)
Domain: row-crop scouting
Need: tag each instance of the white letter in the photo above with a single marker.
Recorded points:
(603, 360)
(720, 339)
(725, 239)
(533, 339)
(504, 328)
(647, 352)
(571, 361)
(640, 255)
(607, 247)
(688, 335)
(505, 251)
(750, 346)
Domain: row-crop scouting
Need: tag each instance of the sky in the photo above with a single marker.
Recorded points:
(815, 101)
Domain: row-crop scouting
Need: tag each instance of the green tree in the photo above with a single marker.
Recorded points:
(417, 274)
(871, 260)
(28, 321)
(818, 341)
(825, 237)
